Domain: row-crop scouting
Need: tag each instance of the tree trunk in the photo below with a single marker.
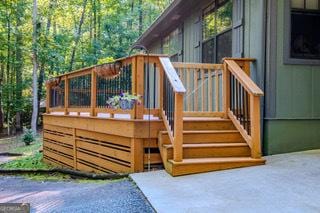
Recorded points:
(8, 64)
(77, 38)
(18, 67)
(44, 59)
(35, 68)
(99, 19)
(140, 18)
(1, 81)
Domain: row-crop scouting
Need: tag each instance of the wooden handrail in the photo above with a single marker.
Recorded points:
(245, 80)
(245, 112)
(197, 66)
(176, 101)
(172, 75)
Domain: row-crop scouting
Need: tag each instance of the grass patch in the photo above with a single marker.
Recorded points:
(30, 162)
(28, 150)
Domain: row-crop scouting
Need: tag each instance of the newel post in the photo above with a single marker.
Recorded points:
(66, 95)
(226, 89)
(139, 84)
(48, 98)
(178, 128)
(255, 126)
(93, 93)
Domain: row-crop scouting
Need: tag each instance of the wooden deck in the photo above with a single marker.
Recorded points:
(204, 117)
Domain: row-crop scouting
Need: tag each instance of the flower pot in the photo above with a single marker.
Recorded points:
(126, 104)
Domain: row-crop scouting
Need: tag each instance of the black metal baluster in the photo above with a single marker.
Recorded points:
(154, 85)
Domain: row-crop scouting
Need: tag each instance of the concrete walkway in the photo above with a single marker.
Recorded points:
(288, 183)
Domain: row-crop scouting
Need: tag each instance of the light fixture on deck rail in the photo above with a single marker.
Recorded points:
(141, 47)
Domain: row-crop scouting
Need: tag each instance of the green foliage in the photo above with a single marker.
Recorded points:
(30, 162)
(28, 137)
(117, 101)
(110, 27)
(105, 60)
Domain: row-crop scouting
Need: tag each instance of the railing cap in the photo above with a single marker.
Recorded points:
(172, 75)
(245, 80)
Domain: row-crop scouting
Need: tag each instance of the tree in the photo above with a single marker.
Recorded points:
(78, 35)
(19, 64)
(63, 35)
(35, 68)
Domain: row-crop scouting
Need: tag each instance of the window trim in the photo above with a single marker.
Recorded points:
(287, 59)
(217, 5)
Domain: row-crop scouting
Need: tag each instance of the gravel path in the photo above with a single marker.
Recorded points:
(121, 196)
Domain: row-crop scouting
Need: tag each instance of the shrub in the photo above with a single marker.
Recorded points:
(28, 137)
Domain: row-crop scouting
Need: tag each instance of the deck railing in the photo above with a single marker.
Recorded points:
(242, 102)
(171, 106)
(203, 83)
(84, 92)
(169, 91)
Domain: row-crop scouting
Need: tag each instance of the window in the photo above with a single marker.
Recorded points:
(217, 31)
(304, 43)
(173, 44)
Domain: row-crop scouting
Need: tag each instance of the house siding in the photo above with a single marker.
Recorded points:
(296, 124)
(193, 37)
(291, 106)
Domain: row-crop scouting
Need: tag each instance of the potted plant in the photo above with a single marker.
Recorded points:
(124, 101)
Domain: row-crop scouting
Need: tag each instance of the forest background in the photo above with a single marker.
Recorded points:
(43, 38)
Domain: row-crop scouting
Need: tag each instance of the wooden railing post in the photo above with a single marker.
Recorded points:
(93, 92)
(161, 73)
(48, 98)
(139, 75)
(226, 90)
(255, 126)
(137, 155)
(66, 95)
(178, 128)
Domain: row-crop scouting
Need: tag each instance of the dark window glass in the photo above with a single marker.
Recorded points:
(305, 30)
(224, 45)
(305, 35)
(208, 55)
(173, 43)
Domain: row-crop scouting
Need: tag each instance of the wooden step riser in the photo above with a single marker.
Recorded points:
(177, 170)
(208, 125)
(207, 138)
(208, 152)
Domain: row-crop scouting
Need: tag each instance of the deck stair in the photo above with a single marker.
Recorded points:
(209, 144)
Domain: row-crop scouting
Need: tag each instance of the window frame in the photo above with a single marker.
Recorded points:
(180, 38)
(206, 11)
(288, 60)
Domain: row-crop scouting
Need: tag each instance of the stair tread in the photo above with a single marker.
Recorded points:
(216, 160)
(208, 131)
(209, 145)
(205, 119)
(204, 131)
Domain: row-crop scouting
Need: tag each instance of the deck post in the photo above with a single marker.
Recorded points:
(93, 93)
(66, 95)
(226, 90)
(137, 155)
(74, 149)
(178, 128)
(139, 74)
(48, 98)
(161, 73)
(255, 126)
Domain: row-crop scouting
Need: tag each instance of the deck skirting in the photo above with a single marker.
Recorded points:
(99, 145)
